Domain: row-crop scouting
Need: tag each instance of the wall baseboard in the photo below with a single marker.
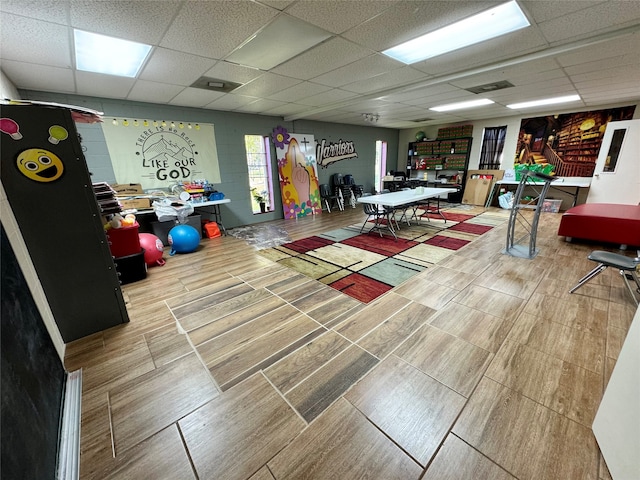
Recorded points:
(69, 447)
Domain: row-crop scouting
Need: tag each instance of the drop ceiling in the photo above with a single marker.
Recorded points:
(588, 47)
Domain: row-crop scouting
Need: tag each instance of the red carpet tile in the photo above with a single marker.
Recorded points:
(309, 243)
(360, 287)
(447, 242)
(386, 245)
(471, 228)
(454, 217)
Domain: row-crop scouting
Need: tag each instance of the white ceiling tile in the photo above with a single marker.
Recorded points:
(549, 9)
(260, 106)
(109, 86)
(325, 98)
(413, 95)
(495, 51)
(178, 68)
(327, 56)
(605, 16)
(507, 73)
(358, 70)
(140, 21)
(624, 45)
(620, 73)
(389, 80)
(234, 73)
(301, 90)
(287, 109)
(609, 64)
(338, 15)
(37, 41)
(595, 87)
(36, 52)
(278, 4)
(39, 77)
(195, 97)
(214, 29)
(411, 19)
(266, 85)
(53, 11)
(153, 92)
(231, 101)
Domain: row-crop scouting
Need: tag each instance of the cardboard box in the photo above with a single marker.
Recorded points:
(478, 185)
(127, 189)
(137, 203)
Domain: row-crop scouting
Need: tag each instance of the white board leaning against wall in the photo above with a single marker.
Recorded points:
(158, 154)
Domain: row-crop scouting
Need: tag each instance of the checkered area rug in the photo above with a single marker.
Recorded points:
(364, 265)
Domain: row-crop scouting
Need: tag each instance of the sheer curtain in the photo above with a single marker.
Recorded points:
(492, 146)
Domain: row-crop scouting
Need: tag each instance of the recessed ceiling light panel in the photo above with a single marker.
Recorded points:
(545, 101)
(497, 21)
(462, 105)
(113, 56)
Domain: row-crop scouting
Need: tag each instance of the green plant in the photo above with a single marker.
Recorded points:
(259, 197)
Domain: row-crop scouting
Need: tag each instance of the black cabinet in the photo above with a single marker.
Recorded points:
(440, 163)
(48, 187)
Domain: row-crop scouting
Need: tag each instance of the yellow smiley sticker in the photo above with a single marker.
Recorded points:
(40, 165)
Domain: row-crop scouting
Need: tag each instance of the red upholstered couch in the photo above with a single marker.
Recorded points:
(602, 222)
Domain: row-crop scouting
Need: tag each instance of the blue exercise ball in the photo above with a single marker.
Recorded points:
(183, 239)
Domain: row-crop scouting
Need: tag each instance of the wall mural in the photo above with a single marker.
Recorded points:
(158, 154)
(328, 153)
(298, 174)
(570, 142)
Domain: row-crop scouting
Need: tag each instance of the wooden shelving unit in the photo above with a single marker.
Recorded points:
(440, 163)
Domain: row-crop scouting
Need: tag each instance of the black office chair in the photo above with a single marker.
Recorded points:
(329, 197)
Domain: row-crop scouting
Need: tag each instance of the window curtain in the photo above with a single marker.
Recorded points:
(492, 146)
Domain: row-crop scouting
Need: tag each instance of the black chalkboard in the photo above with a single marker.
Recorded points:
(33, 379)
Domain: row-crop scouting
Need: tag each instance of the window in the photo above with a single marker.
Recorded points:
(381, 164)
(492, 146)
(259, 167)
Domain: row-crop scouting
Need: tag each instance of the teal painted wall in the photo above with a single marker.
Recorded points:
(230, 129)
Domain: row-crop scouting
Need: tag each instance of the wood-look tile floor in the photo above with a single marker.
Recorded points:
(234, 367)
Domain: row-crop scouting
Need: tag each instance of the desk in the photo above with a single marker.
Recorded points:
(558, 184)
(403, 197)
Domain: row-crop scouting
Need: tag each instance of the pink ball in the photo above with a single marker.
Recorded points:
(153, 249)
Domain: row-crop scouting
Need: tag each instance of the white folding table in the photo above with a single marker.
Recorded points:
(559, 183)
(403, 197)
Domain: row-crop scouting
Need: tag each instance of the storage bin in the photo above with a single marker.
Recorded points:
(551, 205)
(161, 229)
(124, 241)
(131, 268)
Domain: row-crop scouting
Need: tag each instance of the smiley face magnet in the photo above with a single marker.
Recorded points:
(40, 165)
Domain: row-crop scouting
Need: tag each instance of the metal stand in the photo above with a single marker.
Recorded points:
(516, 216)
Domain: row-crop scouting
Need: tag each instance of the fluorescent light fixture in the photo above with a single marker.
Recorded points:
(113, 56)
(461, 105)
(500, 20)
(546, 101)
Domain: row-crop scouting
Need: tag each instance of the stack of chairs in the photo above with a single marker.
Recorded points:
(356, 190)
(343, 190)
(329, 197)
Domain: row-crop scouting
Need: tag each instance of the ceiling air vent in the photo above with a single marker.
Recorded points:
(489, 87)
(421, 120)
(214, 84)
